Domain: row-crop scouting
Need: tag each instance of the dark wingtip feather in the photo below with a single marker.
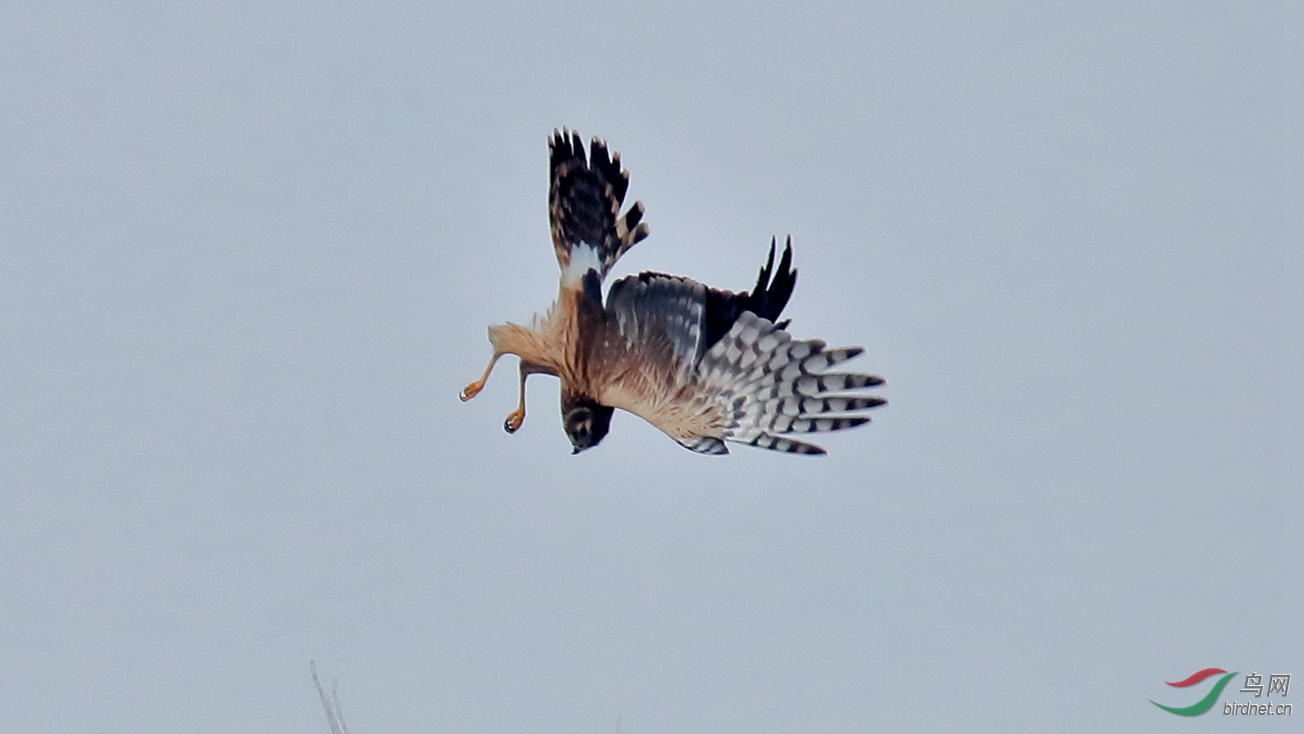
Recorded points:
(773, 285)
(763, 279)
(785, 278)
(786, 262)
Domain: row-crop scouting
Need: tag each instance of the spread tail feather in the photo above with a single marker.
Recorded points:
(584, 201)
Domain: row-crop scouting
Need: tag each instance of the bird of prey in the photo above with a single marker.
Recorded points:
(704, 365)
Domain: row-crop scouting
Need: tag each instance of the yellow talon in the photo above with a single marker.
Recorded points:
(471, 391)
(514, 421)
(474, 388)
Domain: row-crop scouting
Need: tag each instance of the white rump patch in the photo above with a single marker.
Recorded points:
(583, 258)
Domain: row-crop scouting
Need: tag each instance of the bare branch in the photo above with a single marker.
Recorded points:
(331, 703)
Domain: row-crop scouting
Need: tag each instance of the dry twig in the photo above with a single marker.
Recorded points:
(331, 703)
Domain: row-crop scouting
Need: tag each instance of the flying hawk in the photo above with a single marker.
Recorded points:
(705, 366)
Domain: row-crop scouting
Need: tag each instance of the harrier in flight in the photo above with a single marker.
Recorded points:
(705, 366)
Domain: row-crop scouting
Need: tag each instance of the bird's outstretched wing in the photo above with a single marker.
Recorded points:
(752, 383)
(584, 200)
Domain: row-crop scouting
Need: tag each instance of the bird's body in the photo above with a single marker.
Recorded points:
(703, 365)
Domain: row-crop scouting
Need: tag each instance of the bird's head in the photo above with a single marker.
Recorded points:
(586, 421)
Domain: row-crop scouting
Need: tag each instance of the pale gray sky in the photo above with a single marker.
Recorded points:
(247, 258)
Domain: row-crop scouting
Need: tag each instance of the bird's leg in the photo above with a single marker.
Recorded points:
(517, 417)
(474, 388)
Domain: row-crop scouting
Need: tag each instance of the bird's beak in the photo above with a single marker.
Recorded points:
(575, 450)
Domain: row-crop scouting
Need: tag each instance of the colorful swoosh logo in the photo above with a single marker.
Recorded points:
(1204, 704)
(1196, 677)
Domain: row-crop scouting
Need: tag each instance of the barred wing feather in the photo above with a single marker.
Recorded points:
(755, 386)
(771, 385)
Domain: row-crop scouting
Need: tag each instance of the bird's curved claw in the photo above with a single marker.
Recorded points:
(470, 391)
(514, 421)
